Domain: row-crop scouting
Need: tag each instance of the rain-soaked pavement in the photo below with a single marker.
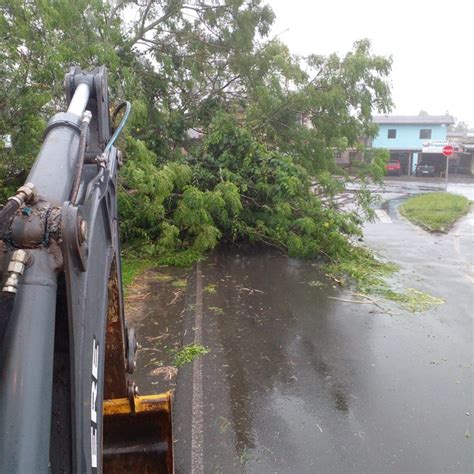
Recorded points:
(298, 382)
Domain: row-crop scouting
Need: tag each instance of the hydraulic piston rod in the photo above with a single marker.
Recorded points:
(53, 171)
(79, 101)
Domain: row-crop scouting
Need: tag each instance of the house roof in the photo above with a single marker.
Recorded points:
(414, 119)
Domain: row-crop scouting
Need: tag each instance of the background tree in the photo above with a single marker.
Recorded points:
(459, 127)
(270, 120)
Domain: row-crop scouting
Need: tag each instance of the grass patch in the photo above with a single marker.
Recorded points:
(181, 283)
(371, 276)
(188, 353)
(435, 212)
(162, 277)
(211, 288)
(183, 259)
(132, 267)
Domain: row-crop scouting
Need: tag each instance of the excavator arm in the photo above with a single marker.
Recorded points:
(67, 400)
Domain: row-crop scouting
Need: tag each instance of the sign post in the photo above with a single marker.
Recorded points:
(447, 152)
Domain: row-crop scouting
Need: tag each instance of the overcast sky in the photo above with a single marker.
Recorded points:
(431, 42)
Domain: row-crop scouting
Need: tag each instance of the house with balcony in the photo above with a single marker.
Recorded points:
(413, 139)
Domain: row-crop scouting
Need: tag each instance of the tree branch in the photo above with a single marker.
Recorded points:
(117, 7)
(145, 29)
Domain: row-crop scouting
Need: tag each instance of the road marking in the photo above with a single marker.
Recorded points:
(197, 464)
(383, 216)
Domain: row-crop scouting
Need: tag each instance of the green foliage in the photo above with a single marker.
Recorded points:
(180, 283)
(207, 66)
(131, 268)
(40, 39)
(373, 276)
(380, 157)
(373, 165)
(188, 353)
(211, 288)
(435, 212)
(368, 272)
(413, 300)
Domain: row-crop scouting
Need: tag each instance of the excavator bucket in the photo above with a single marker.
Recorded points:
(138, 435)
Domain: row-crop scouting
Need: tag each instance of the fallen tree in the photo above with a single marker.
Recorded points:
(269, 121)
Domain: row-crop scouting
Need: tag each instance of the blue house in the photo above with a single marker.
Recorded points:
(408, 136)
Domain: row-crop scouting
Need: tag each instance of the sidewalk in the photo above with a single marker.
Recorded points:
(452, 178)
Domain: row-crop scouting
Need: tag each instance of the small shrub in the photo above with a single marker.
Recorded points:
(188, 353)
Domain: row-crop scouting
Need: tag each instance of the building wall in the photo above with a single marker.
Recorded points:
(408, 136)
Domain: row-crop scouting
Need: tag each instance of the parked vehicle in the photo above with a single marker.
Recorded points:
(425, 170)
(393, 167)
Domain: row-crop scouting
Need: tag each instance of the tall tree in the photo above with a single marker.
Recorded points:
(459, 126)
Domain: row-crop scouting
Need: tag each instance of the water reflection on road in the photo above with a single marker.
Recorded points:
(297, 382)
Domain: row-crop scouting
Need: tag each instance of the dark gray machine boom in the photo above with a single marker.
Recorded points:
(67, 403)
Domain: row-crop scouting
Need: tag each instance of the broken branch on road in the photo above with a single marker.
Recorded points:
(365, 300)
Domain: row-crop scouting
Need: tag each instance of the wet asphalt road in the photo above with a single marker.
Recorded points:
(296, 382)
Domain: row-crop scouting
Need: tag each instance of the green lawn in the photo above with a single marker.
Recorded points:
(435, 212)
(131, 267)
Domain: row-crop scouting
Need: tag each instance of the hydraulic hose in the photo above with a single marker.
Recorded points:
(24, 194)
(121, 125)
(86, 118)
(6, 213)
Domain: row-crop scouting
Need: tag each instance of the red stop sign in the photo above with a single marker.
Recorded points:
(448, 150)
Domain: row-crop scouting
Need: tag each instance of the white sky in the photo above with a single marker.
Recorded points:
(431, 42)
